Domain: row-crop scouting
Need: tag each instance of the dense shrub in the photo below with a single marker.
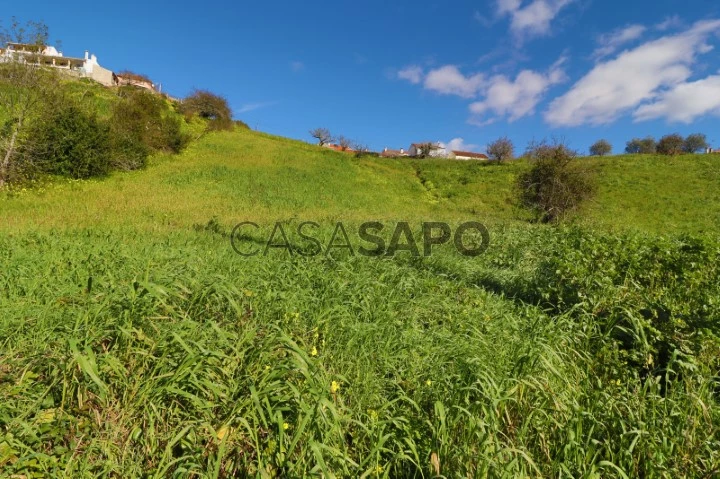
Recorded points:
(69, 141)
(671, 144)
(695, 142)
(142, 123)
(555, 186)
(211, 107)
(646, 146)
(601, 148)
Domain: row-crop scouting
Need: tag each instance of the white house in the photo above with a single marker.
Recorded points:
(467, 155)
(437, 149)
(87, 67)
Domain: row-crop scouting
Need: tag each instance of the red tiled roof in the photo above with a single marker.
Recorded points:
(470, 154)
(339, 148)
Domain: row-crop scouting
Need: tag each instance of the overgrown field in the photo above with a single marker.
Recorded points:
(135, 342)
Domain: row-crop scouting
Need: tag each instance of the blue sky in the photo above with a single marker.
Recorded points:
(391, 73)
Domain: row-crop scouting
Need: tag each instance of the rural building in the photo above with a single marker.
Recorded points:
(466, 155)
(335, 147)
(437, 150)
(87, 67)
(133, 79)
(387, 153)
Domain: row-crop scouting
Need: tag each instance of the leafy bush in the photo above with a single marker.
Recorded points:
(646, 146)
(694, 143)
(601, 148)
(67, 140)
(142, 123)
(211, 107)
(671, 144)
(555, 186)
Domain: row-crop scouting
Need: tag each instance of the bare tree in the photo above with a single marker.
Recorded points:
(425, 149)
(322, 135)
(344, 143)
(33, 33)
(501, 150)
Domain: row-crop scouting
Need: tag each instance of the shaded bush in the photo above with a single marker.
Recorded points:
(555, 186)
(211, 107)
(69, 141)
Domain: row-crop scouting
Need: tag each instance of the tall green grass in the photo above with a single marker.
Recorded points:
(135, 342)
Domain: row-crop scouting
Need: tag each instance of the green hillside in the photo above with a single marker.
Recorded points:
(134, 342)
(249, 175)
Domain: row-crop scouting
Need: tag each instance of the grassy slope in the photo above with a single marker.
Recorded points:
(134, 344)
(249, 175)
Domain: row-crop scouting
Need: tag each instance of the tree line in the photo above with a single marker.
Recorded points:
(673, 144)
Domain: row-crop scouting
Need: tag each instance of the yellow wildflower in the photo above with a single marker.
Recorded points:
(314, 351)
(428, 383)
(334, 387)
(286, 426)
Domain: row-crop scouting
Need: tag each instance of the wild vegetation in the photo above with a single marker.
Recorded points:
(134, 341)
(138, 343)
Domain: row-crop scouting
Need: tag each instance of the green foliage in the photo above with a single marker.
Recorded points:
(695, 143)
(671, 144)
(646, 146)
(211, 107)
(555, 186)
(142, 123)
(69, 141)
(601, 148)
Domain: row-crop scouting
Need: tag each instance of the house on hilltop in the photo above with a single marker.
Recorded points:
(387, 153)
(133, 79)
(87, 67)
(436, 149)
(466, 155)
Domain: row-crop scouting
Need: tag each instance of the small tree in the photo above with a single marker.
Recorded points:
(322, 135)
(601, 148)
(501, 150)
(24, 90)
(645, 145)
(696, 142)
(344, 143)
(671, 144)
(555, 186)
(210, 106)
(32, 33)
(425, 149)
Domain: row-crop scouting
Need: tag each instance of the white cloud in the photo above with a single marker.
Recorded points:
(413, 74)
(534, 18)
(614, 87)
(685, 102)
(609, 43)
(669, 23)
(449, 80)
(516, 98)
(458, 144)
